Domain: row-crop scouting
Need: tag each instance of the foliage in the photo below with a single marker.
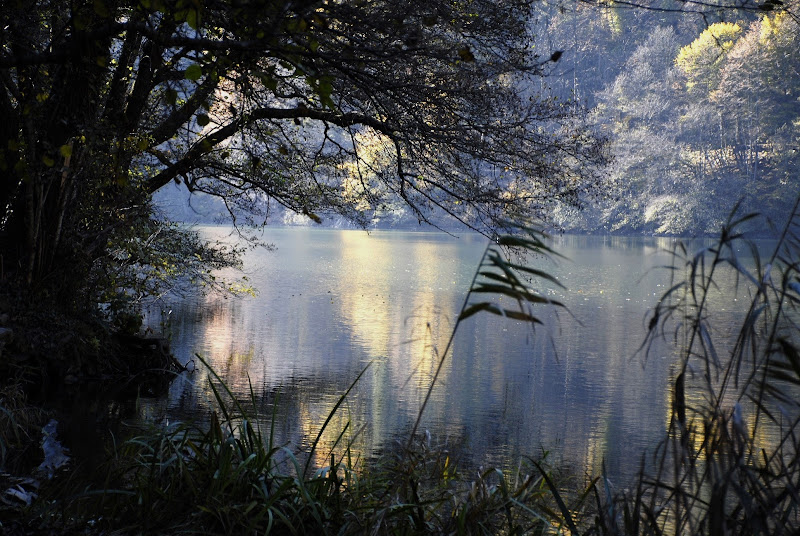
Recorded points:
(323, 107)
(729, 461)
(159, 257)
(700, 60)
(699, 118)
(499, 278)
(19, 423)
(230, 478)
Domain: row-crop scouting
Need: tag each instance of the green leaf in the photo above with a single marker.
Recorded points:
(171, 96)
(193, 18)
(101, 9)
(325, 89)
(203, 120)
(270, 82)
(65, 150)
(193, 72)
(48, 161)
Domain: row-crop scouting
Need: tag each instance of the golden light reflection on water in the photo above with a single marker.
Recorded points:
(372, 270)
(344, 434)
(332, 301)
(403, 329)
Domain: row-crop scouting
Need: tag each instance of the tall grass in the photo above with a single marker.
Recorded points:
(728, 463)
(230, 477)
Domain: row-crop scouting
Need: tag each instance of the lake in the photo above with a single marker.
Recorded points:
(332, 302)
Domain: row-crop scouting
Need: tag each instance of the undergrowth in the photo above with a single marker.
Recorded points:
(727, 464)
(229, 478)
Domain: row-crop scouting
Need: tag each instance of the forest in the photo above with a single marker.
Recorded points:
(699, 111)
(122, 120)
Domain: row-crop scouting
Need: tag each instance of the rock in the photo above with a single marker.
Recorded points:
(55, 455)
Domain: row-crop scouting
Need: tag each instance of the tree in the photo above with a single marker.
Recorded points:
(701, 60)
(264, 101)
(639, 107)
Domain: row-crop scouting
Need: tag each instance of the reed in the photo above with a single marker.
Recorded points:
(728, 463)
(230, 477)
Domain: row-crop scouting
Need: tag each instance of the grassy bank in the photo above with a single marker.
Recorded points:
(229, 477)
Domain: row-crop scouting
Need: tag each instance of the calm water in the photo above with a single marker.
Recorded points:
(331, 302)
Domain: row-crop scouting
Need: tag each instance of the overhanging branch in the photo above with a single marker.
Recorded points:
(207, 143)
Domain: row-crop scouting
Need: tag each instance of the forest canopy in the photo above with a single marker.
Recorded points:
(365, 109)
(701, 112)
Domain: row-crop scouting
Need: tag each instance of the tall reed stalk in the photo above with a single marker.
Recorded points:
(230, 477)
(498, 277)
(728, 464)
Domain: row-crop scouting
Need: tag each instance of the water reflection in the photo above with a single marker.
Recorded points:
(331, 302)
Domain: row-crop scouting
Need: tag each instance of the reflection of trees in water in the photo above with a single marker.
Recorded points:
(576, 386)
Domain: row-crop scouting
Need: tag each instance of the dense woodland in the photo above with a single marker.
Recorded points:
(700, 111)
(325, 109)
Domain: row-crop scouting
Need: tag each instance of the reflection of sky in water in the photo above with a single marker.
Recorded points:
(330, 302)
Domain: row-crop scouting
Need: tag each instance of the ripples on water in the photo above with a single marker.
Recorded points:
(330, 302)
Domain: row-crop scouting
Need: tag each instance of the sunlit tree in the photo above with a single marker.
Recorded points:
(269, 101)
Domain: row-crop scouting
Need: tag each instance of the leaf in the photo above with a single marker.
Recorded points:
(466, 54)
(325, 89)
(531, 244)
(477, 308)
(65, 151)
(193, 18)
(203, 120)
(517, 294)
(537, 273)
(48, 161)
(565, 512)
(171, 96)
(193, 72)
(101, 9)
